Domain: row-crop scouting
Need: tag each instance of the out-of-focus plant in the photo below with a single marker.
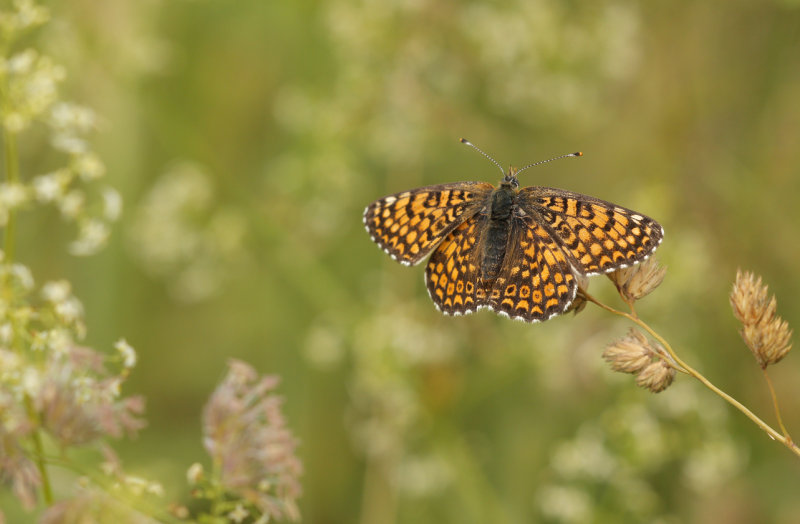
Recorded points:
(30, 99)
(58, 396)
(255, 472)
(180, 234)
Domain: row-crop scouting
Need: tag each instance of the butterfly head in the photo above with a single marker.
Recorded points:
(510, 179)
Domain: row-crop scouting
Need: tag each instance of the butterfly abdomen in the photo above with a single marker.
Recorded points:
(497, 231)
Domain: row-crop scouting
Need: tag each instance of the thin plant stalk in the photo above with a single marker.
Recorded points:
(378, 503)
(38, 447)
(137, 504)
(775, 403)
(9, 245)
(12, 176)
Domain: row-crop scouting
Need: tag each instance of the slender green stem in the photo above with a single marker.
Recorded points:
(697, 375)
(47, 490)
(12, 176)
(378, 498)
(672, 362)
(9, 246)
(775, 403)
(476, 493)
(139, 504)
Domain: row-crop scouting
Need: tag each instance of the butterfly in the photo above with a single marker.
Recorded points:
(515, 251)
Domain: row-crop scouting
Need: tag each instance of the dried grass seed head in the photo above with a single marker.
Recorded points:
(769, 341)
(656, 376)
(766, 334)
(630, 354)
(750, 299)
(639, 280)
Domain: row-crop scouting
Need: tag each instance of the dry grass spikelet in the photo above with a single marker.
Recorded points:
(638, 281)
(656, 377)
(766, 334)
(629, 354)
(635, 354)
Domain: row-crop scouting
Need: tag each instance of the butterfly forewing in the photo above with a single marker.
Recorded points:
(410, 224)
(453, 271)
(600, 236)
(536, 281)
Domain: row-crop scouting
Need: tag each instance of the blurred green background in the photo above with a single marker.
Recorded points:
(246, 138)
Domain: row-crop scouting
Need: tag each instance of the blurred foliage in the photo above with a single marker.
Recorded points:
(284, 119)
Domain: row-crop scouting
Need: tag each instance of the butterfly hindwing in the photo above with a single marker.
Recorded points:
(453, 271)
(599, 236)
(536, 281)
(410, 224)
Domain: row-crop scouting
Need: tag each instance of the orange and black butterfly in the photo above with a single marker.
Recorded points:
(515, 251)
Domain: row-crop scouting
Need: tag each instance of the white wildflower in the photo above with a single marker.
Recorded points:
(13, 196)
(69, 310)
(59, 341)
(23, 276)
(14, 122)
(112, 204)
(72, 204)
(194, 474)
(136, 485)
(127, 353)
(238, 514)
(22, 63)
(39, 341)
(85, 389)
(69, 116)
(92, 236)
(27, 15)
(89, 166)
(155, 488)
(69, 143)
(112, 389)
(6, 333)
(31, 381)
(50, 187)
(56, 291)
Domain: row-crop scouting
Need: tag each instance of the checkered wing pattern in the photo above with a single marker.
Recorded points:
(410, 224)
(453, 271)
(600, 236)
(536, 282)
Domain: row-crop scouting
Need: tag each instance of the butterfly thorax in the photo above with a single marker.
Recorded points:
(501, 208)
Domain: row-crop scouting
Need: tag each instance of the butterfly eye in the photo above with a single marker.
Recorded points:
(511, 180)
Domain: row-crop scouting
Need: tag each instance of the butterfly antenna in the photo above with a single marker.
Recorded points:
(577, 153)
(470, 144)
